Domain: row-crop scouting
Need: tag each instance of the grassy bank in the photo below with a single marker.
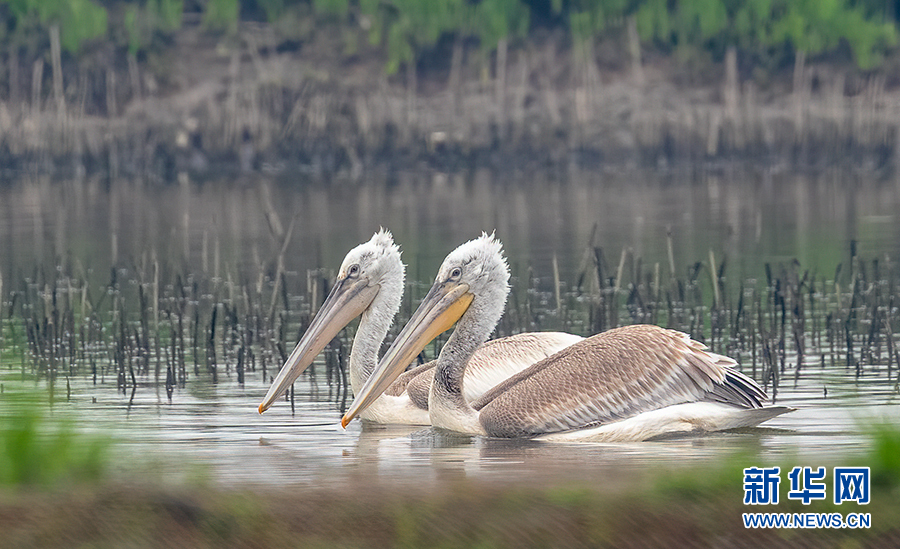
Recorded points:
(254, 99)
(692, 506)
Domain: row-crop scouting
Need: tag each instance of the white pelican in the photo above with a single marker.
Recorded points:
(370, 283)
(627, 384)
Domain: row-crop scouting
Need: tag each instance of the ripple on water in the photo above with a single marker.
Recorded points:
(222, 430)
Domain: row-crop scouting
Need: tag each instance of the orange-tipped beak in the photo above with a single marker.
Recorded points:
(445, 303)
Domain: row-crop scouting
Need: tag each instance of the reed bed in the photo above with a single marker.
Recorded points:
(147, 328)
(152, 327)
(246, 106)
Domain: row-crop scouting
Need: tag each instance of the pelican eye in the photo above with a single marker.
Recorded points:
(353, 270)
(455, 273)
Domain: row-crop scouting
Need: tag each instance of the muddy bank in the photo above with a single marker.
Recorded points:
(682, 512)
(249, 106)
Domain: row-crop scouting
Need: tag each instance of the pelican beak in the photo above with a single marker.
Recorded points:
(442, 307)
(347, 300)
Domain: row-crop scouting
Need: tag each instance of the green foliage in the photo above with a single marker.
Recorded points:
(156, 16)
(273, 9)
(222, 15)
(36, 450)
(587, 18)
(867, 41)
(700, 20)
(79, 20)
(751, 24)
(134, 30)
(766, 26)
(885, 455)
(496, 20)
(683, 23)
(652, 19)
(763, 30)
(815, 26)
(168, 13)
(408, 27)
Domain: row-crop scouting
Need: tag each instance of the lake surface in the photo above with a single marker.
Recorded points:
(215, 226)
(235, 229)
(215, 433)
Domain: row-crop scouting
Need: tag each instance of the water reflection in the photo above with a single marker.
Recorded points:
(222, 430)
(235, 226)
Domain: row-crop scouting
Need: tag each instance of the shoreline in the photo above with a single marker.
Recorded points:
(251, 108)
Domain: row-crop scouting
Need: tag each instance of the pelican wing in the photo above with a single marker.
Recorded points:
(411, 377)
(498, 359)
(420, 385)
(494, 362)
(737, 389)
(610, 376)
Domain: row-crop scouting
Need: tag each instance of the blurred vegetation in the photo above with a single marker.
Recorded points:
(80, 21)
(770, 30)
(767, 32)
(38, 449)
(884, 458)
(691, 506)
(142, 21)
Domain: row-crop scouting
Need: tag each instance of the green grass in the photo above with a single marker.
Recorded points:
(40, 448)
(884, 457)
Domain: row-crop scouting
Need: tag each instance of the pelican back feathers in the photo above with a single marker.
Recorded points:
(498, 359)
(494, 362)
(612, 376)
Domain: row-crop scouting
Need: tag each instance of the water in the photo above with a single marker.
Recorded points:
(236, 228)
(218, 426)
(746, 218)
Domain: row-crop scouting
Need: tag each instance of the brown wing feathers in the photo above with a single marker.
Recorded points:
(410, 376)
(613, 375)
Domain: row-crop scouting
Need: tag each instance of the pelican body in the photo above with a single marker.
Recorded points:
(627, 384)
(369, 284)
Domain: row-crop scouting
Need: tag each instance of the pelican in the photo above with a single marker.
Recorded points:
(628, 384)
(370, 284)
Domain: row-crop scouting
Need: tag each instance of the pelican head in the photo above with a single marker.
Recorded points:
(370, 282)
(471, 287)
